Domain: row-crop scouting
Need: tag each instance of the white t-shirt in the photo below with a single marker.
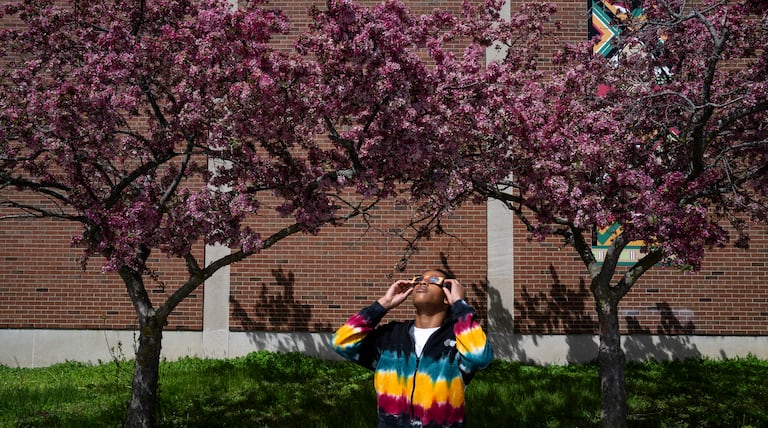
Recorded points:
(420, 337)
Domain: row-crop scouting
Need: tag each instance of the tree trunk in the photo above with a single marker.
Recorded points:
(611, 359)
(141, 407)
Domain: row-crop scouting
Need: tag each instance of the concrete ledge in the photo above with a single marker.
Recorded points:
(570, 349)
(315, 344)
(40, 348)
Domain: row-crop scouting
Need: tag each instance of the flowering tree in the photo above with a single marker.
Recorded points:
(159, 126)
(669, 139)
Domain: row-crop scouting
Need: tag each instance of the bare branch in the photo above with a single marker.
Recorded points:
(170, 191)
(636, 271)
(34, 212)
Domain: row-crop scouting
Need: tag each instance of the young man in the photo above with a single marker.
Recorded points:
(423, 365)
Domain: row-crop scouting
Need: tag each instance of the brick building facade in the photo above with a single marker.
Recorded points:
(533, 297)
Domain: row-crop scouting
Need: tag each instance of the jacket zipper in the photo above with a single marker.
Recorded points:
(416, 371)
(413, 388)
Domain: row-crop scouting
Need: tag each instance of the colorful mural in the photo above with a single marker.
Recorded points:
(606, 22)
(603, 240)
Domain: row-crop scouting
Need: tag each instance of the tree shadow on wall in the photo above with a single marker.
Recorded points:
(277, 310)
(563, 310)
(560, 310)
(478, 299)
(672, 335)
(501, 332)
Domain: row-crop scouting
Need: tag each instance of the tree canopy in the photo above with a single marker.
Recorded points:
(162, 125)
(667, 138)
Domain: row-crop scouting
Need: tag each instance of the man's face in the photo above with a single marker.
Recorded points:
(428, 288)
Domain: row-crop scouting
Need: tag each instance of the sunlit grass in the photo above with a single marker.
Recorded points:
(292, 390)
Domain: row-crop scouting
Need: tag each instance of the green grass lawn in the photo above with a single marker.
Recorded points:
(267, 389)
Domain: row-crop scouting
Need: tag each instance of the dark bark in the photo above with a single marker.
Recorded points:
(141, 407)
(146, 369)
(610, 355)
(611, 360)
(143, 403)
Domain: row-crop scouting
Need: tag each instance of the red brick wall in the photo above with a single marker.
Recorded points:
(304, 283)
(729, 296)
(311, 283)
(42, 283)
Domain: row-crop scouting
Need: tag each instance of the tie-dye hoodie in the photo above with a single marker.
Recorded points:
(426, 391)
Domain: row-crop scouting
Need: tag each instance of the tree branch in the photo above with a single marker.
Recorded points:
(585, 252)
(610, 262)
(37, 212)
(638, 269)
(701, 119)
(348, 145)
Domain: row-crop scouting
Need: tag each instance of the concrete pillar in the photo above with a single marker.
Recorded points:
(216, 306)
(501, 283)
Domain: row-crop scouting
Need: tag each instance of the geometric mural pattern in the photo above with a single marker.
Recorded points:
(605, 23)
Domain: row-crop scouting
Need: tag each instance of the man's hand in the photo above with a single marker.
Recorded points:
(396, 294)
(455, 292)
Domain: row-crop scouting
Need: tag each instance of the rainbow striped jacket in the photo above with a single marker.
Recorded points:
(426, 391)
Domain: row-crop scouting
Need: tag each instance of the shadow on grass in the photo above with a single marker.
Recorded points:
(518, 395)
(692, 393)
(268, 390)
(65, 395)
(702, 393)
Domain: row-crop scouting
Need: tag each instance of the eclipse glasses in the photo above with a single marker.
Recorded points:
(432, 279)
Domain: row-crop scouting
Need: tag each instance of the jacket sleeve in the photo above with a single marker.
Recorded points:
(354, 341)
(471, 342)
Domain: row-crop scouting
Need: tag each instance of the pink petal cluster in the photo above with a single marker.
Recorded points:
(669, 138)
